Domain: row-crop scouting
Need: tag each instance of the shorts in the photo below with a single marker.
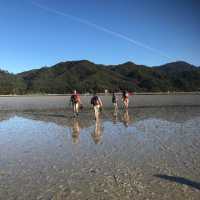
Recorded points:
(97, 109)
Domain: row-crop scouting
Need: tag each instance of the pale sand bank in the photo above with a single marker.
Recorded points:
(61, 101)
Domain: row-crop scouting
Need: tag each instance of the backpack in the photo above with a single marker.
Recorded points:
(74, 98)
(95, 100)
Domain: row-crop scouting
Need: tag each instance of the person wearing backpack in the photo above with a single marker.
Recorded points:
(76, 102)
(97, 105)
(125, 99)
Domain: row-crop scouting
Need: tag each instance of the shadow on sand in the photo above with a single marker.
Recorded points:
(180, 180)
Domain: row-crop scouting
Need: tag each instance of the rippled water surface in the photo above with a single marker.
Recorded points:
(146, 153)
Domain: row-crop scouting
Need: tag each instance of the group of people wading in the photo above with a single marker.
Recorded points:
(97, 103)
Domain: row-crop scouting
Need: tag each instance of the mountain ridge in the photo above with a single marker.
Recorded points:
(111, 65)
(86, 76)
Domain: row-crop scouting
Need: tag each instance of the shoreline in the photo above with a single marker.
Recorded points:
(106, 94)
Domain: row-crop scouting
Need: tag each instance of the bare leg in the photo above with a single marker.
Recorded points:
(77, 108)
(115, 107)
(126, 102)
(126, 118)
(96, 112)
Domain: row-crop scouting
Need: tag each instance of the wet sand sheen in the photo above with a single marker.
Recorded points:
(149, 153)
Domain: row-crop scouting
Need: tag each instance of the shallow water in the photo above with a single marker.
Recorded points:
(147, 153)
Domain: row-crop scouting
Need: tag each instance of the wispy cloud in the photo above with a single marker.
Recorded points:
(101, 28)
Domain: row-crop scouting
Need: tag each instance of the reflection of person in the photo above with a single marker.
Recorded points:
(115, 116)
(75, 133)
(97, 134)
(125, 99)
(97, 105)
(115, 101)
(126, 118)
(76, 102)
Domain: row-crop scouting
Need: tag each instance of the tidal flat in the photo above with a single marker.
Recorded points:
(145, 153)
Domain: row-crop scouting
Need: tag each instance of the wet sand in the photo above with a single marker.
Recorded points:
(62, 101)
(147, 153)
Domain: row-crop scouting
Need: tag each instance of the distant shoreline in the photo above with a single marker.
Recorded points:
(105, 94)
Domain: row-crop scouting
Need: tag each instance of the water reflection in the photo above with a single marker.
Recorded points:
(64, 117)
(115, 116)
(75, 133)
(5, 116)
(126, 118)
(34, 149)
(97, 132)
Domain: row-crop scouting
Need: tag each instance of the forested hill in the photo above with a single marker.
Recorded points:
(11, 84)
(86, 76)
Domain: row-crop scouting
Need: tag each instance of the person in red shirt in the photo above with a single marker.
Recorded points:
(125, 99)
(97, 105)
(76, 102)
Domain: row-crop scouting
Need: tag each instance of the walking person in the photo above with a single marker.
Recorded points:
(125, 99)
(76, 102)
(97, 105)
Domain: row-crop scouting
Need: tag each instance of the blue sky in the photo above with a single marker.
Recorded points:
(150, 32)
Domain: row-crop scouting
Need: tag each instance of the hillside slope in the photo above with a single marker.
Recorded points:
(86, 76)
(11, 84)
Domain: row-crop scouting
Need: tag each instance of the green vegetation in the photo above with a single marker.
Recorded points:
(86, 76)
(11, 84)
